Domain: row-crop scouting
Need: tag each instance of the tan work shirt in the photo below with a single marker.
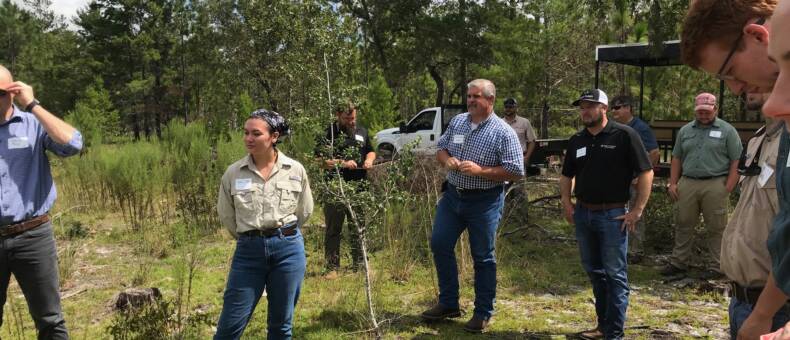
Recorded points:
(523, 130)
(744, 255)
(247, 202)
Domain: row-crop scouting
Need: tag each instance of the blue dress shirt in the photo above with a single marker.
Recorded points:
(26, 186)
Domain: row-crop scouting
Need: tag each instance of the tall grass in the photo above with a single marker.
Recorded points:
(154, 182)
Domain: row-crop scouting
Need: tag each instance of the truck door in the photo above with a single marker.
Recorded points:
(421, 126)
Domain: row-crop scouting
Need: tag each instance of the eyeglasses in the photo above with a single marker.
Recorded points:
(509, 106)
(3, 93)
(727, 77)
(617, 107)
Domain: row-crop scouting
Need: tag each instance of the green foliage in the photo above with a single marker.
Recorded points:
(156, 321)
(95, 116)
(378, 107)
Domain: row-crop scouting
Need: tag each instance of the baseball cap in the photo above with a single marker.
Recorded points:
(705, 101)
(510, 101)
(593, 95)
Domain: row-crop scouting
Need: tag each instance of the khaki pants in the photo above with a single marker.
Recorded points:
(709, 197)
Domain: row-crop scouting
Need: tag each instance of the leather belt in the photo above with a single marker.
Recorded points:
(702, 178)
(745, 294)
(286, 231)
(602, 206)
(463, 191)
(20, 227)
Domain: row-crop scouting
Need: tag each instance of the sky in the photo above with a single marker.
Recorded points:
(67, 8)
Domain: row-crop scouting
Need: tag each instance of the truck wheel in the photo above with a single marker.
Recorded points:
(386, 152)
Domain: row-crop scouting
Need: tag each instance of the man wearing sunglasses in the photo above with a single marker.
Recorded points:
(27, 250)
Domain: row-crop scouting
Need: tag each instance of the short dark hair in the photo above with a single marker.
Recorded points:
(623, 100)
(345, 106)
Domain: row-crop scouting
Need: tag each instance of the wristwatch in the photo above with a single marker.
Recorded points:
(29, 107)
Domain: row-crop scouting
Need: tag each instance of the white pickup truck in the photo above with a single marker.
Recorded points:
(427, 126)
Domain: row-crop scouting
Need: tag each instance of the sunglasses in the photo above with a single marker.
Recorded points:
(509, 106)
(3, 93)
(727, 77)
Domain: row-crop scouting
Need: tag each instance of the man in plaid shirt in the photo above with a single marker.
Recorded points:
(481, 152)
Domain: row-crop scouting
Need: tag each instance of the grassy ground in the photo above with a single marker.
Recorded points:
(542, 291)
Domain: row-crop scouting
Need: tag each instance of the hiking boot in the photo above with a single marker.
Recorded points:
(591, 334)
(476, 325)
(711, 274)
(671, 270)
(440, 312)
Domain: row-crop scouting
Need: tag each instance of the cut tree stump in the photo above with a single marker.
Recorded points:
(135, 298)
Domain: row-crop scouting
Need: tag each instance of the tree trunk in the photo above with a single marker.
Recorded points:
(437, 78)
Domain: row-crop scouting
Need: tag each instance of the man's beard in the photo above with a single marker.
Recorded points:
(593, 123)
(348, 129)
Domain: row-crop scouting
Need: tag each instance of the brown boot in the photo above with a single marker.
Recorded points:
(440, 312)
(476, 325)
(592, 334)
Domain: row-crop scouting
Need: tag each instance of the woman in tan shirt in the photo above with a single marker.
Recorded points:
(263, 200)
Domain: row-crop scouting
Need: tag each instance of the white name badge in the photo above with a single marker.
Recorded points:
(765, 174)
(359, 138)
(715, 134)
(244, 184)
(788, 160)
(458, 139)
(17, 143)
(581, 152)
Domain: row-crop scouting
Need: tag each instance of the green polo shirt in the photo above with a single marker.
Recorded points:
(707, 150)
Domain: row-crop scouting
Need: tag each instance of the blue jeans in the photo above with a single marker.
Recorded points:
(276, 264)
(603, 247)
(740, 310)
(479, 214)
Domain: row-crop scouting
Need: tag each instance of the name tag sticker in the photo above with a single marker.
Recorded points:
(715, 134)
(244, 184)
(581, 152)
(359, 138)
(295, 178)
(17, 143)
(765, 174)
(458, 139)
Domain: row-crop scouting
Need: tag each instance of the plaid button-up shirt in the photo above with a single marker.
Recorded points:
(492, 143)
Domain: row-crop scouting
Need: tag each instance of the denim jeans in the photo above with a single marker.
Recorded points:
(276, 264)
(740, 310)
(479, 214)
(33, 260)
(603, 246)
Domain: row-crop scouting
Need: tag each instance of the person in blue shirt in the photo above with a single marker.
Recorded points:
(622, 113)
(27, 192)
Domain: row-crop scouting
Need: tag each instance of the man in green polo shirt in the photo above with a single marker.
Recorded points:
(704, 171)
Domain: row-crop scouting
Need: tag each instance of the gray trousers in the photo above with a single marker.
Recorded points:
(33, 260)
(335, 216)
